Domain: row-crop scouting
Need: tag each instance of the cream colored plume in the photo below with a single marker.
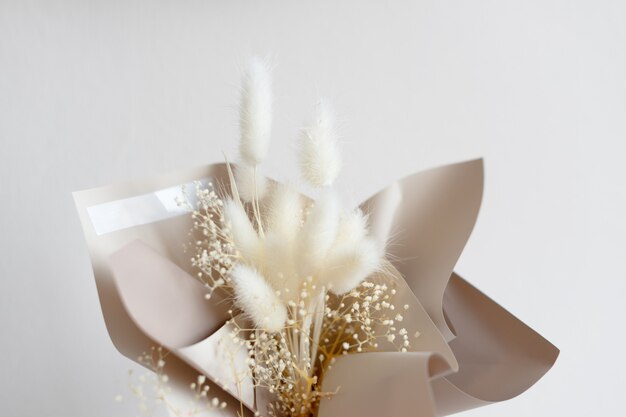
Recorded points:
(352, 227)
(320, 159)
(284, 211)
(245, 237)
(255, 112)
(318, 233)
(347, 265)
(353, 255)
(258, 299)
(283, 220)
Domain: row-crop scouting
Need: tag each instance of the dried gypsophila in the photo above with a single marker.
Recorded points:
(151, 389)
(214, 252)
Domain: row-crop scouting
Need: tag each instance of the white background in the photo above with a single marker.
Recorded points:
(98, 92)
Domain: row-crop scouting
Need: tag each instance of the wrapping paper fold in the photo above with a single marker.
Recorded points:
(471, 352)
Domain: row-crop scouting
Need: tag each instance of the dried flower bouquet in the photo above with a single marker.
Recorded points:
(297, 306)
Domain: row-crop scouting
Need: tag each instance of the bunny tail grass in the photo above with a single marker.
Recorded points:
(284, 211)
(255, 112)
(349, 264)
(257, 299)
(245, 238)
(318, 233)
(319, 156)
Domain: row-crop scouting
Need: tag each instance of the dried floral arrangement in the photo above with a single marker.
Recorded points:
(295, 305)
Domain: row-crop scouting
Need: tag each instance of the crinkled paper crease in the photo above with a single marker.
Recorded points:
(471, 352)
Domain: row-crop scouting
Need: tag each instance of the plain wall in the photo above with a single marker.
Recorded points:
(98, 92)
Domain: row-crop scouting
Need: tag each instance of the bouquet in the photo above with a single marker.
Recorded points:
(243, 296)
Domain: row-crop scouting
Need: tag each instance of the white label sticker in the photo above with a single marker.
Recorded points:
(143, 209)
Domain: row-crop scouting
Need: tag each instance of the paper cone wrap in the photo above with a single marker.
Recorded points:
(470, 352)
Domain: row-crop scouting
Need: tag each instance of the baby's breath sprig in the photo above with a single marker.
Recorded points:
(152, 389)
(214, 251)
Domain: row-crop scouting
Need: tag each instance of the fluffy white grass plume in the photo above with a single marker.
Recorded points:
(352, 228)
(250, 184)
(353, 255)
(348, 265)
(318, 233)
(320, 159)
(244, 235)
(257, 299)
(283, 220)
(255, 111)
(284, 211)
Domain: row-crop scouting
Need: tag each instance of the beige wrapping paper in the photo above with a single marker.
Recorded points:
(470, 353)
